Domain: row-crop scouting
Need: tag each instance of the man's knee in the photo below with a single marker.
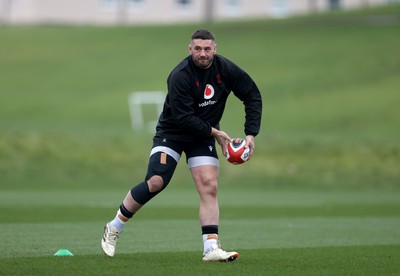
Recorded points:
(155, 183)
(211, 188)
(146, 190)
(207, 186)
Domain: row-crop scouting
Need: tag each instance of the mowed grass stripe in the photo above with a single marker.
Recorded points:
(348, 260)
(20, 240)
(177, 196)
(82, 213)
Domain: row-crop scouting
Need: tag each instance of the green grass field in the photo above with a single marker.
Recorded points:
(321, 195)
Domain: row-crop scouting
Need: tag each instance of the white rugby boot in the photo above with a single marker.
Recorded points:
(109, 240)
(219, 255)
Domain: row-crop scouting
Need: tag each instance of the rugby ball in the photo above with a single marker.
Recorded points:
(236, 153)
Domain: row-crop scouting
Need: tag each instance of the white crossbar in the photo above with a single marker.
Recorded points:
(139, 98)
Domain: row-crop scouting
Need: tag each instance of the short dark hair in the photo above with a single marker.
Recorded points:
(203, 34)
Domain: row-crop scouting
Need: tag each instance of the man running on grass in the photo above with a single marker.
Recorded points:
(198, 88)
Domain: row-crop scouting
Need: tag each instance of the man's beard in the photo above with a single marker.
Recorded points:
(203, 63)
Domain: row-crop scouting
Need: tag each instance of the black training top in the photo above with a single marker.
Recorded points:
(196, 100)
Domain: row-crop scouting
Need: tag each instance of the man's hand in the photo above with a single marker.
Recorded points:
(222, 139)
(250, 144)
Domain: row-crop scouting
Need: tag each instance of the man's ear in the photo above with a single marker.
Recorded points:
(190, 48)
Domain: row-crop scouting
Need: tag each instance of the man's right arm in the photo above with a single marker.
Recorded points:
(222, 138)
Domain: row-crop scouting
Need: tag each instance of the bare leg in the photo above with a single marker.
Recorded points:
(206, 180)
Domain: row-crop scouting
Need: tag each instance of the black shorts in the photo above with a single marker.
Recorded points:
(197, 153)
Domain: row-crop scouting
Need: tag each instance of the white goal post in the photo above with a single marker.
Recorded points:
(138, 100)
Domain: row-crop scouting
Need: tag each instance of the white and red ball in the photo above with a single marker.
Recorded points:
(236, 153)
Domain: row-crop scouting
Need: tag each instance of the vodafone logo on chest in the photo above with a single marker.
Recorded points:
(208, 92)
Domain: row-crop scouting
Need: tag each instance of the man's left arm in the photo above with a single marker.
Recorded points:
(247, 91)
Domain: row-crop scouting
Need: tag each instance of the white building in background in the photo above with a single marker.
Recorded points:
(109, 12)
